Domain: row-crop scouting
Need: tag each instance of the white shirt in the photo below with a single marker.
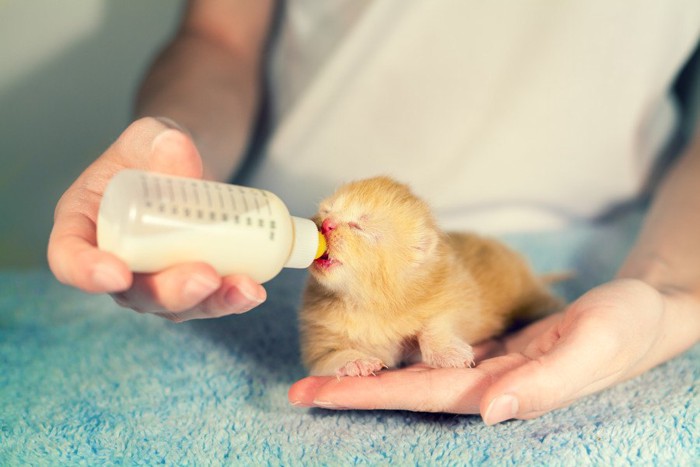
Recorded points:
(503, 115)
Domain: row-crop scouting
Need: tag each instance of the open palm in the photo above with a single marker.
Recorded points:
(605, 337)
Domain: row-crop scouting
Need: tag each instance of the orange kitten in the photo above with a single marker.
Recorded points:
(392, 283)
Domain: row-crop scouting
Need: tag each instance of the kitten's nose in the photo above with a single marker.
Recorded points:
(327, 226)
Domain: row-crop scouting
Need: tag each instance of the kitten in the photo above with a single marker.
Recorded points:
(391, 283)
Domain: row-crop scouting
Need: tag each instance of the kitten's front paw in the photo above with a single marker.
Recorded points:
(457, 355)
(361, 367)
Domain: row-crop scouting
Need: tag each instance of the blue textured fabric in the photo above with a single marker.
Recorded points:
(85, 382)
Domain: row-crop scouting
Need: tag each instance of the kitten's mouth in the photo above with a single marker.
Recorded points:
(325, 261)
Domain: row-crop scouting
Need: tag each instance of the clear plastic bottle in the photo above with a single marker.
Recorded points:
(153, 221)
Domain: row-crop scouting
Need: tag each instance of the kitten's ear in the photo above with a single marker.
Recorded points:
(425, 246)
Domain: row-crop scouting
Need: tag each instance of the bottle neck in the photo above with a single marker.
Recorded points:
(305, 243)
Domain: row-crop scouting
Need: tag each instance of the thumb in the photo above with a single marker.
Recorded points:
(172, 151)
(149, 144)
(562, 365)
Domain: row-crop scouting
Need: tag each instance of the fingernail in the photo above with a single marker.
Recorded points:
(300, 404)
(170, 123)
(165, 138)
(244, 297)
(107, 278)
(198, 287)
(325, 404)
(252, 292)
(501, 408)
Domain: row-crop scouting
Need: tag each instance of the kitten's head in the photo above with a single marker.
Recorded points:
(378, 234)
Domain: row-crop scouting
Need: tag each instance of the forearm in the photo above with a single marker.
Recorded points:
(667, 252)
(212, 90)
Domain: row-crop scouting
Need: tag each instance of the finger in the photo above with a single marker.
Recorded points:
(173, 290)
(147, 144)
(489, 349)
(436, 390)
(303, 393)
(154, 144)
(237, 294)
(520, 340)
(72, 253)
(418, 367)
(561, 367)
(191, 291)
(75, 261)
(173, 152)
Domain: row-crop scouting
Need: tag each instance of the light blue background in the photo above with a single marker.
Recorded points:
(68, 72)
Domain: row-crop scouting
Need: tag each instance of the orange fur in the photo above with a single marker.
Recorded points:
(394, 281)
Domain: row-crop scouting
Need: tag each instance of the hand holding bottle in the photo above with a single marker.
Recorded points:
(154, 221)
(179, 293)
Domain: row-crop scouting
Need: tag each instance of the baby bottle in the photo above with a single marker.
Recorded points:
(153, 221)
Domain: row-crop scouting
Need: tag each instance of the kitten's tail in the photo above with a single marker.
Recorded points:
(537, 306)
(542, 302)
(555, 277)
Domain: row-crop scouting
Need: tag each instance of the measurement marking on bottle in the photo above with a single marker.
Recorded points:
(232, 197)
(236, 219)
(171, 193)
(221, 197)
(248, 221)
(257, 205)
(267, 201)
(273, 225)
(245, 202)
(212, 216)
(159, 193)
(261, 223)
(144, 186)
(183, 188)
(195, 192)
(208, 193)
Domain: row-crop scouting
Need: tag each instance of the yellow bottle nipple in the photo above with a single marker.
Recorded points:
(321, 246)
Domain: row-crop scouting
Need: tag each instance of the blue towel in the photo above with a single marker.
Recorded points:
(85, 382)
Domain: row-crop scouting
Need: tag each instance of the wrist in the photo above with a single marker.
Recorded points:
(681, 323)
(668, 277)
(679, 328)
(665, 319)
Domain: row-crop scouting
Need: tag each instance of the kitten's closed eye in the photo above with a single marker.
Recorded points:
(360, 224)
